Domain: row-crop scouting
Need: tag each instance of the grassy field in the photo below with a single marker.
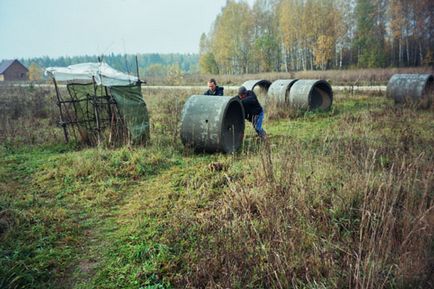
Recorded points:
(336, 199)
(366, 77)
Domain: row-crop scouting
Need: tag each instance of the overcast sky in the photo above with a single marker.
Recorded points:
(31, 28)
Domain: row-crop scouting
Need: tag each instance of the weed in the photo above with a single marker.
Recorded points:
(335, 199)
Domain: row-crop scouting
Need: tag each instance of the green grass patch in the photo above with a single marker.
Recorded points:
(293, 212)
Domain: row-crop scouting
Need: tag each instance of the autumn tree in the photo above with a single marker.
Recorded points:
(412, 29)
(175, 76)
(326, 31)
(231, 37)
(275, 35)
(324, 51)
(208, 64)
(397, 25)
(308, 30)
(289, 19)
(35, 72)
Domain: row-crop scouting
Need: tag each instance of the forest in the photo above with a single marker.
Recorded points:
(293, 35)
(290, 35)
(150, 64)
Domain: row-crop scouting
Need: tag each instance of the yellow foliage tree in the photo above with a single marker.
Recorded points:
(289, 12)
(323, 51)
(35, 72)
(175, 75)
(207, 63)
(231, 38)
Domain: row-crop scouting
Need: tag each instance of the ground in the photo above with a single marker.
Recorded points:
(333, 198)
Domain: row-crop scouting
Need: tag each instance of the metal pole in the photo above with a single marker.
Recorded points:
(95, 107)
(137, 67)
(73, 102)
(59, 104)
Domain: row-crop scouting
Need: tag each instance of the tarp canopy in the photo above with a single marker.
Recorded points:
(111, 108)
(93, 111)
(130, 103)
(101, 72)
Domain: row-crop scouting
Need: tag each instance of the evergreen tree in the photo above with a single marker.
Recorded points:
(369, 34)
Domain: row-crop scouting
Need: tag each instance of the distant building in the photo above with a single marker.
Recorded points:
(13, 70)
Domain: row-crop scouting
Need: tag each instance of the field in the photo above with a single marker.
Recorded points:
(367, 77)
(336, 199)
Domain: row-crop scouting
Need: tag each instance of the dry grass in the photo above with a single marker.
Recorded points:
(29, 115)
(340, 199)
(345, 212)
(336, 77)
(25, 113)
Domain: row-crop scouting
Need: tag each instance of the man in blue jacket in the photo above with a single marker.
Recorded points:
(213, 88)
(253, 110)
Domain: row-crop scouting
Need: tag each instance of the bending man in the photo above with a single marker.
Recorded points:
(253, 110)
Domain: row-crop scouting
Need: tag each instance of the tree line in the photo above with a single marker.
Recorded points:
(150, 65)
(288, 35)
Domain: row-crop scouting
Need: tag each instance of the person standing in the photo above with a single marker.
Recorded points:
(253, 110)
(213, 89)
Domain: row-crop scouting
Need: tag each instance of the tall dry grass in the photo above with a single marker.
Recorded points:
(373, 76)
(25, 114)
(29, 115)
(352, 209)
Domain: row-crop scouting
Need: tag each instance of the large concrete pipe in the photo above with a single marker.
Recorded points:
(278, 93)
(251, 84)
(212, 124)
(411, 88)
(311, 94)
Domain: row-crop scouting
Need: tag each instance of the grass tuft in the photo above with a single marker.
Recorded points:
(334, 199)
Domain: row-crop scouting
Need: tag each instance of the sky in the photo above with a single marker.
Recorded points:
(34, 28)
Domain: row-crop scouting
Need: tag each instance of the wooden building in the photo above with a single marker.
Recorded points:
(13, 70)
